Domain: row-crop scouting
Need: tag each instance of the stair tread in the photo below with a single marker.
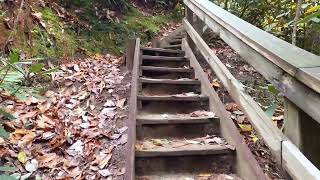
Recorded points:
(175, 119)
(166, 69)
(173, 45)
(170, 81)
(162, 50)
(178, 147)
(162, 58)
(181, 97)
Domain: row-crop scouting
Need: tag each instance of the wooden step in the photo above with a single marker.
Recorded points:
(169, 81)
(163, 58)
(184, 150)
(179, 37)
(161, 50)
(166, 69)
(175, 46)
(175, 41)
(156, 119)
(173, 98)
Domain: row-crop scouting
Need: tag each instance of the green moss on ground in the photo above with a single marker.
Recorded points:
(112, 37)
(57, 40)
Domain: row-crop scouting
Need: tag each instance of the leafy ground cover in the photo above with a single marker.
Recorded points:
(76, 129)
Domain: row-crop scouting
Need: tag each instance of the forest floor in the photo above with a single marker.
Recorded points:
(76, 129)
(261, 91)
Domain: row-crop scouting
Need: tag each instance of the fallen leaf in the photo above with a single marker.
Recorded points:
(105, 161)
(77, 146)
(105, 172)
(215, 83)
(245, 127)
(32, 166)
(121, 102)
(22, 157)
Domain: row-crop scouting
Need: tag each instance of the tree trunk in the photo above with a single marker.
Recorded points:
(295, 23)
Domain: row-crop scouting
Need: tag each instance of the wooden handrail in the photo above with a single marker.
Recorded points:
(280, 74)
(294, 60)
(295, 72)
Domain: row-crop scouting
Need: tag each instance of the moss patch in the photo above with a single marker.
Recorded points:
(112, 37)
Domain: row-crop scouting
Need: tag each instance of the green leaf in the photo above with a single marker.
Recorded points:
(14, 57)
(22, 157)
(273, 89)
(36, 67)
(7, 168)
(4, 133)
(6, 177)
(6, 114)
(271, 110)
(309, 17)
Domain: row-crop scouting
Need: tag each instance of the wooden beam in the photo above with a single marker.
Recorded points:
(260, 121)
(296, 164)
(130, 53)
(130, 163)
(300, 94)
(169, 81)
(186, 150)
(284, 55)
(247, 166)
(173, 98)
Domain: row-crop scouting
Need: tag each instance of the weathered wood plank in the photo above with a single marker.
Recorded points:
(247, 166)
(178, 119)
(310, 76)
(261, 122)
(130, 165)
(162, 50)
(164, 58)
(184, 150)
(297, 165)
(169, 81)
(304, 97)
(173, 98)
(130, 53)
(281, 53)
(166, 69)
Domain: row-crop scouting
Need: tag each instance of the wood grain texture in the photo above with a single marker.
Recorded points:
(130, 53)
(169, 81)
(130, 163)
(296, 164)
(280, 52)
(304, 97)
(186, 150)
(166, 69)
(247, 166)
(241, 36)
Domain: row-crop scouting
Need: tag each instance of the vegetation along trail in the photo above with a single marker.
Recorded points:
(69, 93)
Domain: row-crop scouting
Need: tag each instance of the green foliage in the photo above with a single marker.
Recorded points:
(16, 75)
(111, 37)
(6, 114)
(278, 20)
(6, 177)
(7, 168)
(3, 132)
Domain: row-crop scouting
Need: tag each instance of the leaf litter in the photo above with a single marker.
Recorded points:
(76, 129)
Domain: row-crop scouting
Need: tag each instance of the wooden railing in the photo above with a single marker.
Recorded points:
(295, 73)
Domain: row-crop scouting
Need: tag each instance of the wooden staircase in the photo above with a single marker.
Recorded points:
(177, 133)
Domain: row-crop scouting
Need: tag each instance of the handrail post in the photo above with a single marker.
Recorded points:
(303, 131)
(130, 54)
